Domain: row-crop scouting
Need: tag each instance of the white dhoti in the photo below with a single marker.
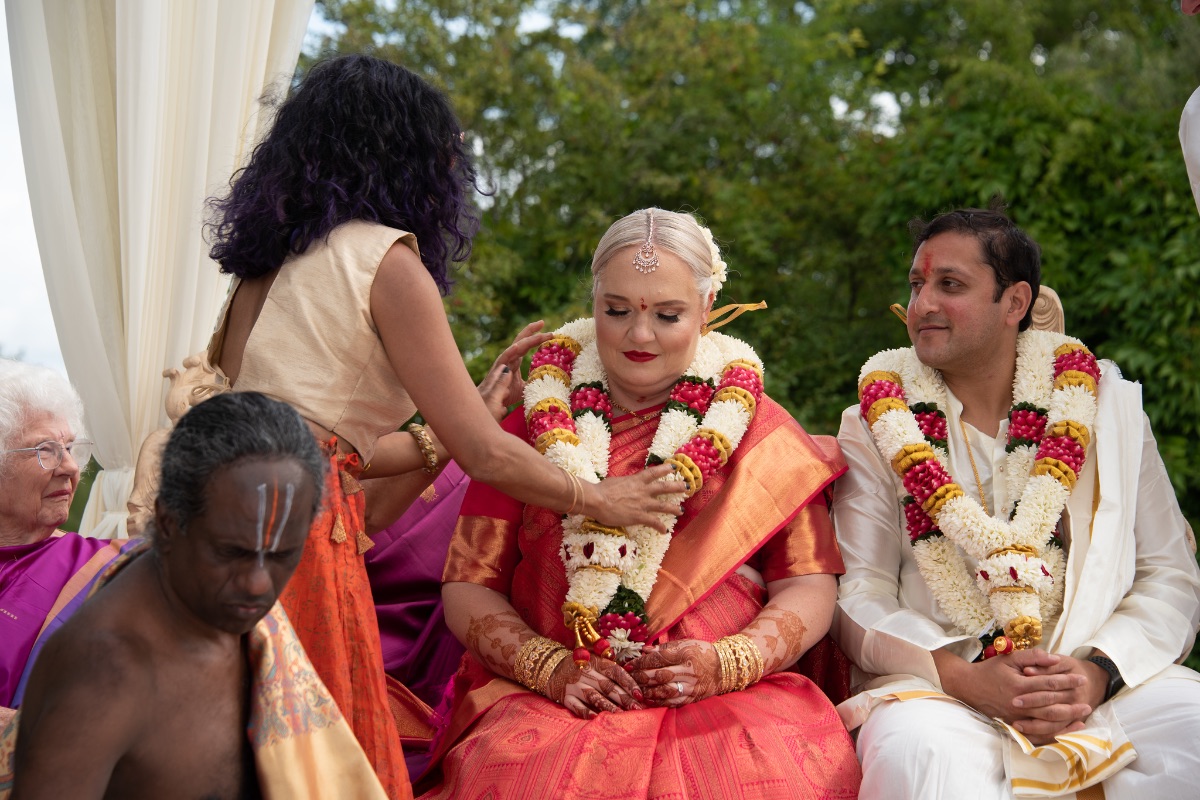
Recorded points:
(927, 749)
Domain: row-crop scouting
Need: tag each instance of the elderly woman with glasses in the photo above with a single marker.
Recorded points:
(44, 572)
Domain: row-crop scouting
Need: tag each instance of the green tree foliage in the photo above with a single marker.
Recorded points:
(772, 121)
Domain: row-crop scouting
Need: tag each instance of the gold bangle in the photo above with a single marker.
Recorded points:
(548, 669)
(741, 662)
(530, 658)
(571, 479)
(428, 451)
(725, 674)
(582, 496)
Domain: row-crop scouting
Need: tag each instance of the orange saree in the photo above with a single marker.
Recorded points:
(329, 603)
(779, 738)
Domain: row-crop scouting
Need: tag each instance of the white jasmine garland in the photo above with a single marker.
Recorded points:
(1020, 463)
(709, 357)
(676, 428)
(544, 388)
(729, 418)
(624, 649)
(941, 564)
(595, 439)
(1056, 562)
(589, 461)
(972, 605)
(895, 429)
(1072, 403)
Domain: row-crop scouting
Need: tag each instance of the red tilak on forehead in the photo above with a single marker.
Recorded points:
(271, 520)
(643, 303)
(926, 264)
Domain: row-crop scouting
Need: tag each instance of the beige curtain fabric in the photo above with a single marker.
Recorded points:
(1189, 138)
(132, 113)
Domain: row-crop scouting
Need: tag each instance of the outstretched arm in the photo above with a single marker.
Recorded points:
(412, 324)
(399, 457)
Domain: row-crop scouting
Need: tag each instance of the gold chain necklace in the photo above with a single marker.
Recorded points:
(978, 483)
(640, 417)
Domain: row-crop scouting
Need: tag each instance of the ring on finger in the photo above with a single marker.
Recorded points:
(679, 687)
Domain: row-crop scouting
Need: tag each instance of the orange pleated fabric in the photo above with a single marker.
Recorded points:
(328, 601)
(780, 738)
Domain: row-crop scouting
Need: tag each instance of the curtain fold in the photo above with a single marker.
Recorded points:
(132, 113)
(1189, 139)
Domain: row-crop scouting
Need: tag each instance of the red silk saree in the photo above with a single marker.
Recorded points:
(779, 738)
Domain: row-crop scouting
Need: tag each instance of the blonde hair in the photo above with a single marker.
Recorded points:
(679, 234)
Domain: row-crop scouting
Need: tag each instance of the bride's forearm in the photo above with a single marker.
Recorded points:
(486, 624)
(798, 614)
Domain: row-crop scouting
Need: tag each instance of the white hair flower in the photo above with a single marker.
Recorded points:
(720, 270)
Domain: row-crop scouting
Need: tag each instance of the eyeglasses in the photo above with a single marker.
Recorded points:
(50, 453)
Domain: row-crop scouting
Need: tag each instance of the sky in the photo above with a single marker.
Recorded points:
(26, 326)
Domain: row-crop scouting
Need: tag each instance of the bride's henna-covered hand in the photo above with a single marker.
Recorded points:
(677, 673)
(601, 686)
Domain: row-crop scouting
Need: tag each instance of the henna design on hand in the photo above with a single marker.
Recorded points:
(564, 673)
(616, 676)
(690, 656)
(782, 634)
(486, 640)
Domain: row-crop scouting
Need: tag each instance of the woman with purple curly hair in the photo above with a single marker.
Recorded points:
(336, 310)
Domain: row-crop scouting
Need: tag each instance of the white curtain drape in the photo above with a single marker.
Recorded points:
(1189, 139)
(132, 113)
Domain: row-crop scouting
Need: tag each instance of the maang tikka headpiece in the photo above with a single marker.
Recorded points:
(645, 260)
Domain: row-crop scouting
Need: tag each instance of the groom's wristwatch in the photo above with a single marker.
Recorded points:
(1115, 681)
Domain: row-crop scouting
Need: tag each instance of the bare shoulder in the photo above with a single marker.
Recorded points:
(404, 295)
(401, 271)
(87, 696)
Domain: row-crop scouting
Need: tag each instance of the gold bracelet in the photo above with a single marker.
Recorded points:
(741, 662)
(548, 668)
(571, 479)
(428, 451)
(582, 496)
(723, 672)
(530, 658)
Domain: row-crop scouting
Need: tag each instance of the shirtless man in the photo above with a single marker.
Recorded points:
(146, 691)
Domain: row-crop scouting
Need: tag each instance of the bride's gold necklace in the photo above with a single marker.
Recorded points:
(640, 417)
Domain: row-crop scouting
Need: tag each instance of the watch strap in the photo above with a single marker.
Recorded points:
(1115, 681)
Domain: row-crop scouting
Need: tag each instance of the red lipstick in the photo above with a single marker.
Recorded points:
(639, 356)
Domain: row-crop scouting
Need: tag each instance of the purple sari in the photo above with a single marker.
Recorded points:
(41, 586)
(405, 569)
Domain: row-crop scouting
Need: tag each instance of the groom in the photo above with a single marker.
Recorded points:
(950, 612)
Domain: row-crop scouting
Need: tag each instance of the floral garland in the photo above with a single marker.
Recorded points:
(611, 571)
(1018, 580)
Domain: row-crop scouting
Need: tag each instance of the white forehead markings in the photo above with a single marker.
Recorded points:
(289, 495)
(269, 528)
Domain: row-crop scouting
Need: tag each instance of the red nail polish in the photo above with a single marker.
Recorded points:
(637, 695)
